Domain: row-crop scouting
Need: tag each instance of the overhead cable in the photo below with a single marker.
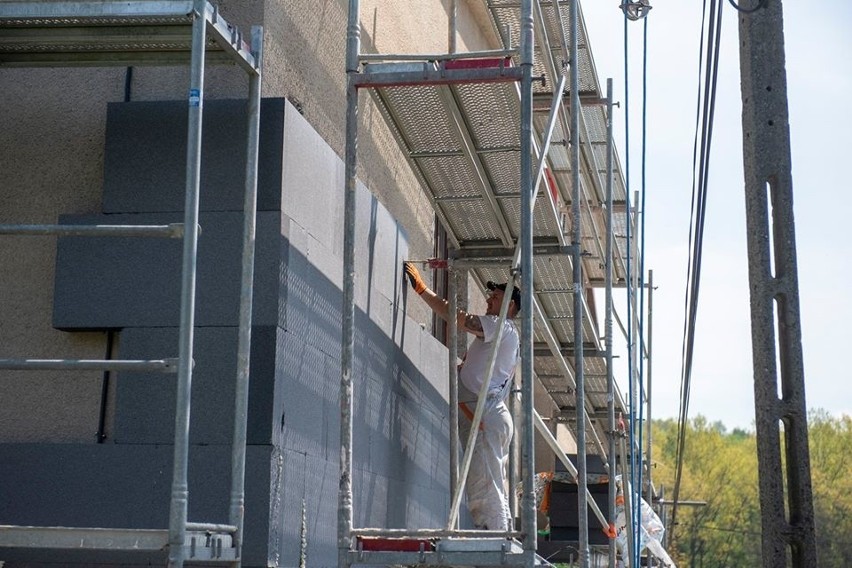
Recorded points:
(631, 422)
(705, 109)
(641, 291)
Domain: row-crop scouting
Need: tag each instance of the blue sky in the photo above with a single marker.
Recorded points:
(819, 75)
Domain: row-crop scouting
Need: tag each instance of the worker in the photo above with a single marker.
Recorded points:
(486, 487)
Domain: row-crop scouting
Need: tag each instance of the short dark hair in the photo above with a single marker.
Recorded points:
(516, 292)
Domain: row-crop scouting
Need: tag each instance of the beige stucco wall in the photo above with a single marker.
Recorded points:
(51, 161)
(52, 126)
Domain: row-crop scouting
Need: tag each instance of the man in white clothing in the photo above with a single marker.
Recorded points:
(486, 488)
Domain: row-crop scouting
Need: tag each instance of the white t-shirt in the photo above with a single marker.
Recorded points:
(476, 361)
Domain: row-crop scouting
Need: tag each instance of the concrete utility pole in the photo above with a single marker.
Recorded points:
(788, 528)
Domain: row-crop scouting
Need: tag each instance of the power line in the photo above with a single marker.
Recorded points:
(705, 109)
(636, 392)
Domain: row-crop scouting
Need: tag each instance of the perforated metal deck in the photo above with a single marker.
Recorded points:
(462, 140)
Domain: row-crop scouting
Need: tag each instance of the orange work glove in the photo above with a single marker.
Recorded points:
(414, 277)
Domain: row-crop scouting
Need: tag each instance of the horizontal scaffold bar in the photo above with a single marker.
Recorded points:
(496, 253)
(172, 230)
(20, 12)
(541, 101)
(429, 75)
(197, 544)
(620, 283)
(439, 558)
(107, 58)
(567, 350)
(163, 365)
(499, 53)
(211, 528)
(82, 538)
(431, 533)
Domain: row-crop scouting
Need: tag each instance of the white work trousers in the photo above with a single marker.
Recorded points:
(486, 488)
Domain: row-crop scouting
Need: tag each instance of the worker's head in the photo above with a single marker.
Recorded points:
(495, 299)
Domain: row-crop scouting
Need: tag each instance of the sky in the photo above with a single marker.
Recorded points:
(819, 76)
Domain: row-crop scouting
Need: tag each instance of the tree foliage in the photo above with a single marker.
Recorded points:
(720, 469)
(831, 474)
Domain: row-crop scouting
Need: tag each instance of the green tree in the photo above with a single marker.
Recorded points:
(831, 475)
(720, 468)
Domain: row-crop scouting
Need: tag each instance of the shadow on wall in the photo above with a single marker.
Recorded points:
(400, 428)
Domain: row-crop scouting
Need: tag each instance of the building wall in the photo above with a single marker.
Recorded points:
(55, 164)
(52, 131)
(401, 431)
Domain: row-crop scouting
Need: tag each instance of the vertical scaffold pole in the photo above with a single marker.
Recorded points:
(238, 450)
(610, 381)
(180, 490)
(649, 392)
(452, 27)
(776, 333)
(577, 278)
(344, 520)
(636, 401)
(453, 341)
(452, 328)
(528, 517)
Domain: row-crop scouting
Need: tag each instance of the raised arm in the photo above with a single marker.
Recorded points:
(465, 321)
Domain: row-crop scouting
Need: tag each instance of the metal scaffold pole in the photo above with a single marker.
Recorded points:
(453, 341)
(610, 381)
(576, 241)
(627, 494)
(636, 399)
(345, 518)
(180, 489)
(528, 516)
(452, 27)
(238, 457)
(786, 495)
(649, 391)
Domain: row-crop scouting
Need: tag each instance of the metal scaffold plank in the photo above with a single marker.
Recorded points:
(163, 365)
(82, 538)
(200, 545)
(116, 33)
(172, 230)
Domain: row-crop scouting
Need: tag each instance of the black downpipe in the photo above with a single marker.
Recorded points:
(128, 83)
(110, 338)
(101, 435)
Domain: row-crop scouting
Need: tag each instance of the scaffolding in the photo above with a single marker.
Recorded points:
(151, 32)
(526, 195)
